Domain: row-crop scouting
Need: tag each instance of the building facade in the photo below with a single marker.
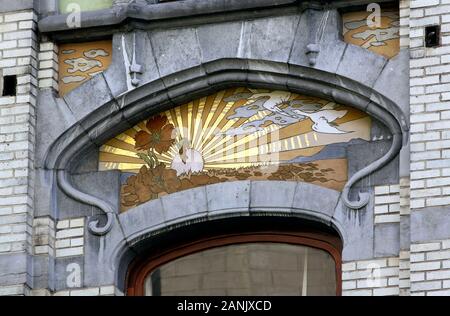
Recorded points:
(220, 147)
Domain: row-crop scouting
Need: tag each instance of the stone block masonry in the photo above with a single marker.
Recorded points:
(18, 57)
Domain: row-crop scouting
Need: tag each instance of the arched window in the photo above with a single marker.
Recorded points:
(251, 263)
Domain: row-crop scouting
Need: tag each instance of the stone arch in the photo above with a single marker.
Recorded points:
(116, 114)
(141, 226)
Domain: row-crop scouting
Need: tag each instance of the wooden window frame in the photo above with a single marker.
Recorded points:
(141, 267)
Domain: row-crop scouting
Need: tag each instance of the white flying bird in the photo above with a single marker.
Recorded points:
(188, 160)
(323, 120)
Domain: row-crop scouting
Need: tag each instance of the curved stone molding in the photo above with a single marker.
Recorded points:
(82, 197)
(364, 197)
(241, 198)
(137, 105)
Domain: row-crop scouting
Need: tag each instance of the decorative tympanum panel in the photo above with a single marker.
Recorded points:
(79, 62)
(383, 39)
(235, 134)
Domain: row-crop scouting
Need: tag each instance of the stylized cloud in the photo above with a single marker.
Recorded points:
(82, 64)
(93, 53)
(68, 51)
(70, 79)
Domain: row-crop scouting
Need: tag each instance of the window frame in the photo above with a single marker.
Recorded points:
(141, 267)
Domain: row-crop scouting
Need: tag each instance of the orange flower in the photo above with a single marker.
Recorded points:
(157, 136)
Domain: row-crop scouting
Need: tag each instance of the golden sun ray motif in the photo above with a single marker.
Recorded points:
(234, 134)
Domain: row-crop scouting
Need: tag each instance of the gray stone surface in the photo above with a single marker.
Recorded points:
(315, 198)
(391, 81)
(116, 74)
(430, 223)
(219, 40)
(228, 197)
(175, 50)
(182, 205)
(61, 273)
(44, 193)
(357, 229)
(355, 63)
(47, 7)
(89, 97)
(101, 256)
(142, 218)
(271, 38)
(331, 46)
(16, 5)
(13, 268)
(404, 160)
(277, 196)
(362, 154)
(86, 162)
(387, 240)
(40, 274)
(405, 232)
(54, 112)
(103, 184)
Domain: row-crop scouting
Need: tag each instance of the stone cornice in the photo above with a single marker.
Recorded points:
(135, 15)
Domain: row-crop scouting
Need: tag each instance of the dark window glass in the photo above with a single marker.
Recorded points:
(247, 269)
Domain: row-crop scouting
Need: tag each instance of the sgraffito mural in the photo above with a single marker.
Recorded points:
(383, 40)
(234, 134)
(79, 62)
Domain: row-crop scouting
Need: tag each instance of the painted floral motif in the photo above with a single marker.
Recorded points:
(159, 135)
(149, 183)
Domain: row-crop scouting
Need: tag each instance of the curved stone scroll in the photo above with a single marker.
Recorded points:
(364, 196)
(82, 197)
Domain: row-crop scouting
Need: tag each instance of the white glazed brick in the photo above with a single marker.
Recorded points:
(71, 232)
(105, 290)
(387, 204)
(429, 80)
(86, 292)
(376, 277)
(48, 66)
(70, 237)
(12, 290)
(404, 273)
(431, 267)
(69, 252)
(18, 231)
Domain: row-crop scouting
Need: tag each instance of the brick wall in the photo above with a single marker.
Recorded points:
(430, 114)
(18, 56)
(430, 140)
(377, 277)
(430, 268)
(70, 237)
(387, 204)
